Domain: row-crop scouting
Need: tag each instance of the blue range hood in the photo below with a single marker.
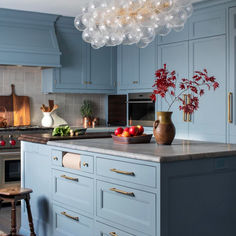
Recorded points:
(28, 39)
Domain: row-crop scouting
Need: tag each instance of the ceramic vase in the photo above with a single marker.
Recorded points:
(47, 120)
(164, 129)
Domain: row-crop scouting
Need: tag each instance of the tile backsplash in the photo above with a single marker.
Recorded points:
(27, 82)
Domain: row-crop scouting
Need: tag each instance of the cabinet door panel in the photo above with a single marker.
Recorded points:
(102, 68)
(127, 206)
(128, 67)
(207, 22)
(148, 65)
(209, 122)
(232, 74)
(176, 58)
(67, 222)
(73, 60)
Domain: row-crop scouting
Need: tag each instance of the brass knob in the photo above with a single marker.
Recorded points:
(85, 164)
(55, 158)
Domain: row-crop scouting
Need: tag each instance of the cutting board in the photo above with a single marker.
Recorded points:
(6, 109)
(21, 108)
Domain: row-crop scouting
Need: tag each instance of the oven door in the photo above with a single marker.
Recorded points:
(141, 113)
(10, 168)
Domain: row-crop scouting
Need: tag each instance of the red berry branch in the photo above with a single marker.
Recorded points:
(166, 83)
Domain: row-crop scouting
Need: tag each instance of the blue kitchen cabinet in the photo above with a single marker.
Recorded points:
(207, 21)
(83, 70)
(209, 122)
(127, 67)
(136, 68)
(102, 71)
(36, 174)
(176, 57)
(147, 66)
(231, 108)
(174, 37)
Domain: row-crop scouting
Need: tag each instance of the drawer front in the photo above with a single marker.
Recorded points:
(56, 157)
(126, 206)
(130, 172)
(73, 190)
(67, 222)
(105, 230)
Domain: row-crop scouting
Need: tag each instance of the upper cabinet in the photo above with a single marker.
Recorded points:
(136, 68)
(83, 69)
(208, 21)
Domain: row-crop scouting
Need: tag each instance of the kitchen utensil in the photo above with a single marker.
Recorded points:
(145, 138)
(51, 104)
(21, 108)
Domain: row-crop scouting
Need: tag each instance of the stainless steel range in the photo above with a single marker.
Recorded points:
(10, 152)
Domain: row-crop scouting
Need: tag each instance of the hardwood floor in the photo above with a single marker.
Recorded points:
(5, 219)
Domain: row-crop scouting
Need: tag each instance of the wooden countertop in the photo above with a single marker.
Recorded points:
(44, 138)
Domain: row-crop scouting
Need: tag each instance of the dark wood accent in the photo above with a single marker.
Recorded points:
(21, 108)
(117, 112)
(145, 138)
(44, 138)
(13, 195)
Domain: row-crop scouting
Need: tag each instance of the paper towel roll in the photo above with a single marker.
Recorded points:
(72, 161)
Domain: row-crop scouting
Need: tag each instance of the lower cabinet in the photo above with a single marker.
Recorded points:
(129, 207)
(70, 223)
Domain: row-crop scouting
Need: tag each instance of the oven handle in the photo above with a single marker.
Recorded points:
(138, 102)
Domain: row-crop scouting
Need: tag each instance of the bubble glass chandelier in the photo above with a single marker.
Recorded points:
(127, 22)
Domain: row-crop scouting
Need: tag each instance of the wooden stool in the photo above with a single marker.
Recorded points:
(13, 195)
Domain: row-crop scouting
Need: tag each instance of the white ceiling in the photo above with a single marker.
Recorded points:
(60, 7)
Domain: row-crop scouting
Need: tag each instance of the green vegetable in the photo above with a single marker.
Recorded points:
(61, 131)
(86, 109)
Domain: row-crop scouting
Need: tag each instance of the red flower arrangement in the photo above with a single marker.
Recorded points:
(166, 83)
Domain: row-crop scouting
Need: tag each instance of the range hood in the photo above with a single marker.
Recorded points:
(28, 39)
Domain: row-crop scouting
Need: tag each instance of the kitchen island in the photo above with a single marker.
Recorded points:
(186, 189)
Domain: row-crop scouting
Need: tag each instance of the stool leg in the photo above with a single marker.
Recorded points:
(13, 218)
(31, 225)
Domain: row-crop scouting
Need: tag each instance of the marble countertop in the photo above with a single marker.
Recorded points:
(180, 149)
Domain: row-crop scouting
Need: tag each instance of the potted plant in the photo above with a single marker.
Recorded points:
(86, 112)
(165, 86)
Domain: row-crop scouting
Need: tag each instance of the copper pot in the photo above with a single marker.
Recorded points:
(87, 122)
(164, 129)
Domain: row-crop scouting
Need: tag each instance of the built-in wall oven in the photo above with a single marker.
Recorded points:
(141, 109)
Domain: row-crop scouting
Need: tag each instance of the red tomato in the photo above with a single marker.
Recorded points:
(118, 131)
(133, 130)
(140, 129)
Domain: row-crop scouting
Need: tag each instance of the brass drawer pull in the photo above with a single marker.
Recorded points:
(135, 82)
(71, 217)
(122, 172)
(189, 115)
(85, 164)
(184, 114)
(55, 158)
(70, 178)
(229, 108)
(113, 234)
(122, 192)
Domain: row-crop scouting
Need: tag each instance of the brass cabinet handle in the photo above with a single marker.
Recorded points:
(135, 82)
(55, 158)
(122, 192)
(70, 178)
(71, 217)
(184, 114)
(85, 164)
(89, 82)
(122, 172)
(113, 234)
(229, 108)
(189, 115)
